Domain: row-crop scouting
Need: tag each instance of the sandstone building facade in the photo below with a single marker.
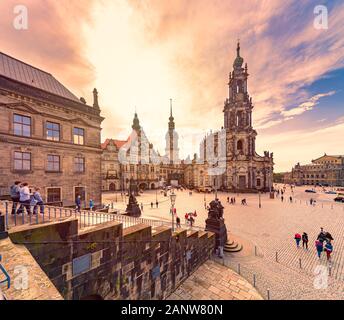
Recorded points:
(228, 159)
(48, 137)
(142, 164)
(230, 154)
(325, 170)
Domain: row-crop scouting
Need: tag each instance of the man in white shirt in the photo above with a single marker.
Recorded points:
(25, 198)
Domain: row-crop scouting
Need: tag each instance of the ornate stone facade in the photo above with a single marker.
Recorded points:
(48, 137)
(233, 147)
(326, 170)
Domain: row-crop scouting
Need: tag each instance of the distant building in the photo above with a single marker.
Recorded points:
(111, 167)
(48, 137)
(326, 170)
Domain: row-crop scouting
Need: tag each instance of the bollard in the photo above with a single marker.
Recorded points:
(329, 270)
(238, 268)
(255, 250)
(268, 291)
(254, 280)
(6, 217)
(276, 256)
(300, 263)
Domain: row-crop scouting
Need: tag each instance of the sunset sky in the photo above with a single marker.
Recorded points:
(141, 53)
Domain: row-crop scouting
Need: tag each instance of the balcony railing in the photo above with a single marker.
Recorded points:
(86, 218)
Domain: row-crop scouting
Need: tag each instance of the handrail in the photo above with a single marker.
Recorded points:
(8, 278)
(86, 218)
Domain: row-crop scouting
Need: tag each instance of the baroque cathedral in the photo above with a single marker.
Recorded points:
(227, 161)
(242, 168)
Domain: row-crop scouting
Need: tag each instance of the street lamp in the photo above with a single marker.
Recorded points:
(173, 201)
(260, 204)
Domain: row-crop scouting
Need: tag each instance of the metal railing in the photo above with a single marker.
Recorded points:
(86, 218)
(5, 273)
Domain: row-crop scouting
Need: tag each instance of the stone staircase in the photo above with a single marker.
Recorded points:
(231, 247)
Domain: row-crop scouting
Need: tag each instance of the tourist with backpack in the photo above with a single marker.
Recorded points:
(297, 238)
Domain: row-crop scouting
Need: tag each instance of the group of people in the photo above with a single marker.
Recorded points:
(322, 243)
(232, 201)
(190, 218)
(21, 195)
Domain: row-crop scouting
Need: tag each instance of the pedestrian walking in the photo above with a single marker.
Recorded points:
(227, 199)
(290, 199)
(78, 203)
(191, 219)
(15, 195)
(157, 203)
(178, 222)
(305, 240)
(39, 202)
(328, 249)
(141, 206)
(151, 205)
(320, 247)
(297, 238)
(282, 198)
(24, 198)
(322, 235)
(92, 205)
(186, 218)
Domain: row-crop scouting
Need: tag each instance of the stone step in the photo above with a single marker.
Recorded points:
(237, 248)
(231, 246)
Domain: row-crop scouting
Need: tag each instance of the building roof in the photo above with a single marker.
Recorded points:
(22, 72)
(118, 143)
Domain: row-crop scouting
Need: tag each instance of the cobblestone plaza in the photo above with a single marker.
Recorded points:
(270, 253)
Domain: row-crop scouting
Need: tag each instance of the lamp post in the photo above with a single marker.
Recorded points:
(173, 201)
(260, 204)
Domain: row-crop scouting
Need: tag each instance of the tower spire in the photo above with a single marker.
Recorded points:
(171, 124)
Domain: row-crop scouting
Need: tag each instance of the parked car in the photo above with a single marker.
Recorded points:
(339, 199)
(310, 191)
(330, 192)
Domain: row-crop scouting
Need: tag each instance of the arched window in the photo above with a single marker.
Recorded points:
(239, 145)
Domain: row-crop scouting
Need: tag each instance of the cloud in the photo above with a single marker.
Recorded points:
(54, 40)
(305, 106)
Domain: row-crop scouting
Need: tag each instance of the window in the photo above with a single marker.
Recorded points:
(79, 164)
(239, 145)
(22, 161)
(78, 135)
(80, 191)
(53, 194)
(53, 131)
(258, 182)
(53, 163)
(22, 125)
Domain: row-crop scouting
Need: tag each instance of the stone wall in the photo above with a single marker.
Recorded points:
(110, 262)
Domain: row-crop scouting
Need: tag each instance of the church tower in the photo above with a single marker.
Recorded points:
(238, 112)
(245, 169)
(172, 150)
